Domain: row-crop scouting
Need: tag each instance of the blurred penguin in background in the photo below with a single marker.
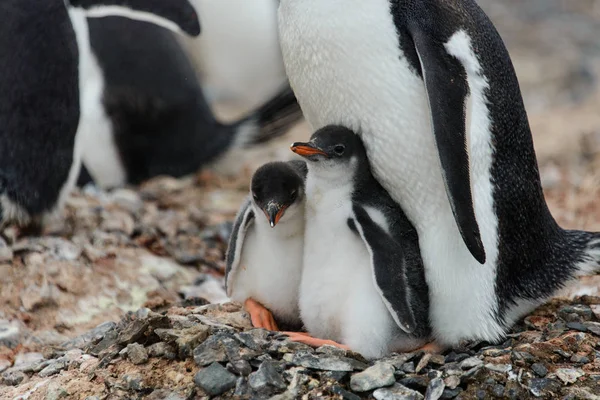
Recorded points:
(47, 92)
(153, 118)
(237, 57)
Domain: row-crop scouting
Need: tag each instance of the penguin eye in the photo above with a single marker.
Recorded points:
(255, 196)
(339, 149)
(293, 194)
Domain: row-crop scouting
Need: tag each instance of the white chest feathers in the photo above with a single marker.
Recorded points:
(338, 297)
(271, 264)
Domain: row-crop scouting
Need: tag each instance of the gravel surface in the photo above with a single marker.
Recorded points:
(111, 301)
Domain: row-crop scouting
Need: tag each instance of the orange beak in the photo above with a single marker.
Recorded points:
(306, 150)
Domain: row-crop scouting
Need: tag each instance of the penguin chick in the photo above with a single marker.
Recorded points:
(264, 258)
(363, 281)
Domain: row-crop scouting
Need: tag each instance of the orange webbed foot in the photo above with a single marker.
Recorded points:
(260, 316)
(432, 348)
(302, 337)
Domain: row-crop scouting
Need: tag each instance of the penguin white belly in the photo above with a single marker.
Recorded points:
(270, 270)
(338, 299)
(345, 66)
(94, 141)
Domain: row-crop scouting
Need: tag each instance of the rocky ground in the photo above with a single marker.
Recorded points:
(111, 301)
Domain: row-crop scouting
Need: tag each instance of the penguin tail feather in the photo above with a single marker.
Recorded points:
(590, 260)
(273, 119)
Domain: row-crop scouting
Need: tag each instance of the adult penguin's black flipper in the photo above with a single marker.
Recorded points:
(176, 15)
(448, 91)
(389, 268)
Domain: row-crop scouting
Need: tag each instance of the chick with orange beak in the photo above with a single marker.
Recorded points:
(264, 257)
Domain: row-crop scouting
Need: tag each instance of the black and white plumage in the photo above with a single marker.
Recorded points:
(363, 282)
(264, 257)
(45, 87)
(152, 117)
(431, 89)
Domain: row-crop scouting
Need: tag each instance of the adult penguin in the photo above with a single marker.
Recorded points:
(152, 117)
(431, 87)
(46, 88)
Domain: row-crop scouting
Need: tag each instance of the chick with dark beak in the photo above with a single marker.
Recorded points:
(274, 212)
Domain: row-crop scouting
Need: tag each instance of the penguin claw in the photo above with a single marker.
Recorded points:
(302, 337)
(260, 316)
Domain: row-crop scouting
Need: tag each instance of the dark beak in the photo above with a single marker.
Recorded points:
(274, 212)
(307, 149)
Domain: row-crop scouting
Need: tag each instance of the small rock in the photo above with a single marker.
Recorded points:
(13, 377)
(87, 338)
(435, 389)
(162, 394)
(452, 357)
(397, 392)
(6, 253)
(134, 382)
(470, 363)
(415, 381)
(585, 312)
(397, 360)
(163, 350)
(498, 391)
(500, 368)
(215, 379)
(10, 334)
(53, 368)
(409, 367)
(579, 359)
(451, 393)
(242, 367)
(331, 351)
(210, 351)
(452, 382)
(137, 354)
(577, 326)
(335, 375)
(593, 327)
(377, 376)
(522, 358)
(543, 387)
(346, 395)
(267, 379)
(539, 369)
(423, 362)
(324, 363)
(569, 375)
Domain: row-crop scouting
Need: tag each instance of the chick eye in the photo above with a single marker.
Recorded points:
(254, 196)
(339, 149)
(293, 194)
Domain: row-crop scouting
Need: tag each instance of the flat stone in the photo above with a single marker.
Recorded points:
(470, 362)
(454, 357)
(435, 389)
(26, 362)
(267, 380)
(210, 351)
(137, 354)
(593, 327)
(215, 379)
(500, 368)
(92, 336)
(324, 363)
(580, 359)
(346, 395)
(163, 350)
(53, 368)
(452, 382)
(377, 376)
(331, 351)
(577, 326)
(539, 369)
(13, 377)
(451, 393)
(569, 375)
(585, 312)
(397, 392)
(544, 387)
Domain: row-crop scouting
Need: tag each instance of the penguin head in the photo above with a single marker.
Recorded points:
(332, 148)
(277, 190)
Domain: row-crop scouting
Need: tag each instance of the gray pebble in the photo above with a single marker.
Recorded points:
(215, 379)
(137, 354)
(500, 368)
(409, 367)
(451, 393)
(435, 389)
(324, 363)
(579, 359)
(397, 392)
(10, 334)
(267, 379)
(377, 376)
(577, 326)
(210, 351)
(585, 312)
(13, 378)
(539, 369)
(470, 363)
(242, 367)
(162, 349)
(543, 387)
(498, 391)
(53, 368)
(593, 327)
